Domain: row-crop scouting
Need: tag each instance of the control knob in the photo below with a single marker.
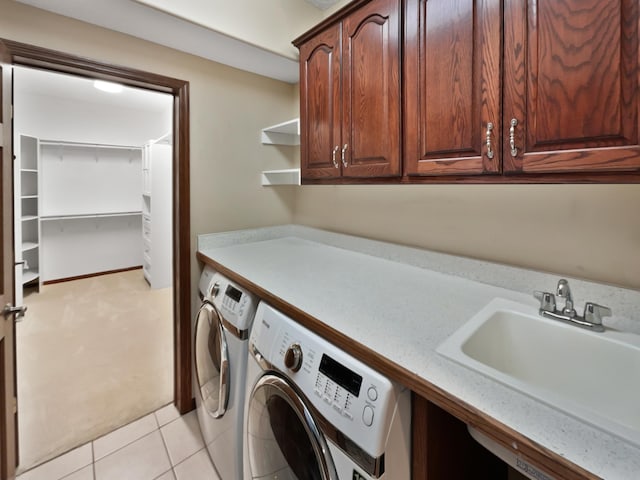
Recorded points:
(293, 357)
(215, 289)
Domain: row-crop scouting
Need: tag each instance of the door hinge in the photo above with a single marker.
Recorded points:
(1, 135)
(15, 405)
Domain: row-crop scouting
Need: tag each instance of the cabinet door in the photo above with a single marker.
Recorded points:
(320, 111)
(452, 87)
(371, 91)
(571, 83)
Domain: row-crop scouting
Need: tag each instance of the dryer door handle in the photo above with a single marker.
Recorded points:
(224, 368)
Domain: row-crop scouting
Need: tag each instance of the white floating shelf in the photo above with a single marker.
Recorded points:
(286, 133)
(290, 176)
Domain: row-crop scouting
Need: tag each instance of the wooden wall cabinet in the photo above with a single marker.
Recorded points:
(562, 97)
(350, 102)
(452, 80)
(571, 82)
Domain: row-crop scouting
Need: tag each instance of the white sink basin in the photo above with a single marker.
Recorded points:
(592, 376)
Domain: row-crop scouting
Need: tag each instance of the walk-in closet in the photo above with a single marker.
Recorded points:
(93, 249)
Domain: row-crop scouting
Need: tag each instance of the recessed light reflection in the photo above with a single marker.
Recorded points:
(107, 86)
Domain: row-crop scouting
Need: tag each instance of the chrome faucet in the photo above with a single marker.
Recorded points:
(593, 313)
(563, 291)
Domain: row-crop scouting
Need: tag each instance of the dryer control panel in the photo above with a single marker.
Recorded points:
(237, 305)
(356, 399)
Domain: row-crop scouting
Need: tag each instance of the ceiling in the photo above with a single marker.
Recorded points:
(138, 20)
(323, 4)
(40, 82)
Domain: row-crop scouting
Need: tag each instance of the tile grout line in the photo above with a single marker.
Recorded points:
(127, 444)
(93, 463)
(193, 455)
(166, 448)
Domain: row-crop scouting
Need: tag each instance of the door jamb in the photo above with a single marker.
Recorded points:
(42, 58)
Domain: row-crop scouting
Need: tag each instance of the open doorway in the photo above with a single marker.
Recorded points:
(13, 54)
(93, 230)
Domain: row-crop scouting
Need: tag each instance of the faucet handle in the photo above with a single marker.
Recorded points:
(594, 313)
(547, 301)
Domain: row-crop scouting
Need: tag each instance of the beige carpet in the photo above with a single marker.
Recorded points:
(92, 355)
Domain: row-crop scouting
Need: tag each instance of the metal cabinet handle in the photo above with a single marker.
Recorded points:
(344, 150)
(489, 151)
(512, 137)
(333, 156)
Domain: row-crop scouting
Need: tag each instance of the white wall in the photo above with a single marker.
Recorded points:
(76, 180)
(77, 247)
(270, 25)
(75, 121)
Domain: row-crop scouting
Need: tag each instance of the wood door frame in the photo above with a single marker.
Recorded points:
(45, 59)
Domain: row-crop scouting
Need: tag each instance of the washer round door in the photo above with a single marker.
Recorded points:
(211, 361)
(283, 439)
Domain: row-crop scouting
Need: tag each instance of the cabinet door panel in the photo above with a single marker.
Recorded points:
(571, 82)
(371, 90)
(452, 75)
(320, 105)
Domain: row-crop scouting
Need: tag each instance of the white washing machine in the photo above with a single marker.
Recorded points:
(221, 331)
(313, 412)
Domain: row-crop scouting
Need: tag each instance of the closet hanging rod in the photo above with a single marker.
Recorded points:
(88, 145)
(90, 215)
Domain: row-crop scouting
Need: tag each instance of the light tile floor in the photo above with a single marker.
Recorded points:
(160, 446)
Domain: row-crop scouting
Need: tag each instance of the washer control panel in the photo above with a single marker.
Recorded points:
(352, 396)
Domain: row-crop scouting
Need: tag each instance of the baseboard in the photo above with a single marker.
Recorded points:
(89, 275)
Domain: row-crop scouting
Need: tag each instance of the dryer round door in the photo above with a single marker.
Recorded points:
(283, 439)
(211, 361)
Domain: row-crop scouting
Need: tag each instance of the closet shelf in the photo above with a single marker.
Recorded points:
(29, 170)
(29, 246)
(26, 218)
(29, 276)
(87, 145)
(91, 215)
(24, 197)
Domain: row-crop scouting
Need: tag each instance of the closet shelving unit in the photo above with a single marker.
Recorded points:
(27, 225)
(89, 194)
(157, 231)
(286, 133)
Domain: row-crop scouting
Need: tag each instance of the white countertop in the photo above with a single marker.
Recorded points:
(403, 302)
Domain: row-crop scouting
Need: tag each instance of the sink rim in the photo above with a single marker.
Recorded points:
(452, 349)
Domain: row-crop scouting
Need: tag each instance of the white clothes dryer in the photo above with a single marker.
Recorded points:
(313, 412)
(221, 329)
